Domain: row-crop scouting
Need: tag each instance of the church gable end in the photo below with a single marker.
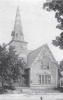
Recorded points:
(44, 51)
(44, 70)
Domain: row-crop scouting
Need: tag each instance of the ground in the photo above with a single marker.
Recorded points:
(27, 90)
(31, 97)
(27, 94)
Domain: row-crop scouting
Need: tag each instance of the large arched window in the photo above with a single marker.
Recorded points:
(45, 79)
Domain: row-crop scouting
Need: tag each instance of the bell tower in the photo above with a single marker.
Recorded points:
(17, 33)
(18, 37)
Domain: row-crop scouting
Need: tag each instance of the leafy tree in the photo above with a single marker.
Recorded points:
(3, 64)
(57, 6)
(10, 65)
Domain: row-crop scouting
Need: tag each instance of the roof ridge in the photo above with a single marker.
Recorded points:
(37, 48)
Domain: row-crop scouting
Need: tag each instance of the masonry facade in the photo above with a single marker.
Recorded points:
(42, 68)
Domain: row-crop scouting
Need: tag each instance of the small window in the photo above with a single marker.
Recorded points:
(61, 82)
(46, 78)
(42, 79)
(17, 36)
(39, 79)
(44, 65)
(47, 65)
(49, 79)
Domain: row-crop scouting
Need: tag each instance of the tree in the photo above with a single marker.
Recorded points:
(57, 6)
(10, 65)
(3, 64)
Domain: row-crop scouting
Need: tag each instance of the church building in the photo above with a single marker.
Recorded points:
(42, 68)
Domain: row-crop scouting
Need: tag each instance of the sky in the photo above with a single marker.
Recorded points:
(39, 26)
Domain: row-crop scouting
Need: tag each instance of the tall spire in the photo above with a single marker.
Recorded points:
(17, 34)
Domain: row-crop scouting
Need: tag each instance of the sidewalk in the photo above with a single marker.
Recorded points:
(30, 97)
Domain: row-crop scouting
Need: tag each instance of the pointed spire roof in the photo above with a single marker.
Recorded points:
(18, 25)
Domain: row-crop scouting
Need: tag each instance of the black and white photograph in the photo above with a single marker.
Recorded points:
(31, 49)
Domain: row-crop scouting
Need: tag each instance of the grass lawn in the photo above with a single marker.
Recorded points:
(27, 90)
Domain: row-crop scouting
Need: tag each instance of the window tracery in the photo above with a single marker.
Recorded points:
(44, 65)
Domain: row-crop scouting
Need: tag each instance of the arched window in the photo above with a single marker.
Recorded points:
(45, 79)
(47, 65)
(44, 65)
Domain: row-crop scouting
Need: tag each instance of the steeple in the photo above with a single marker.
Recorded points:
(17, 33)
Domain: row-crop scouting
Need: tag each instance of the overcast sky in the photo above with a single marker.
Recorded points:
(39, 26)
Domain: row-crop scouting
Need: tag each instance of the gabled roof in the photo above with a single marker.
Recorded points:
(32, 55)
(28, 51)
